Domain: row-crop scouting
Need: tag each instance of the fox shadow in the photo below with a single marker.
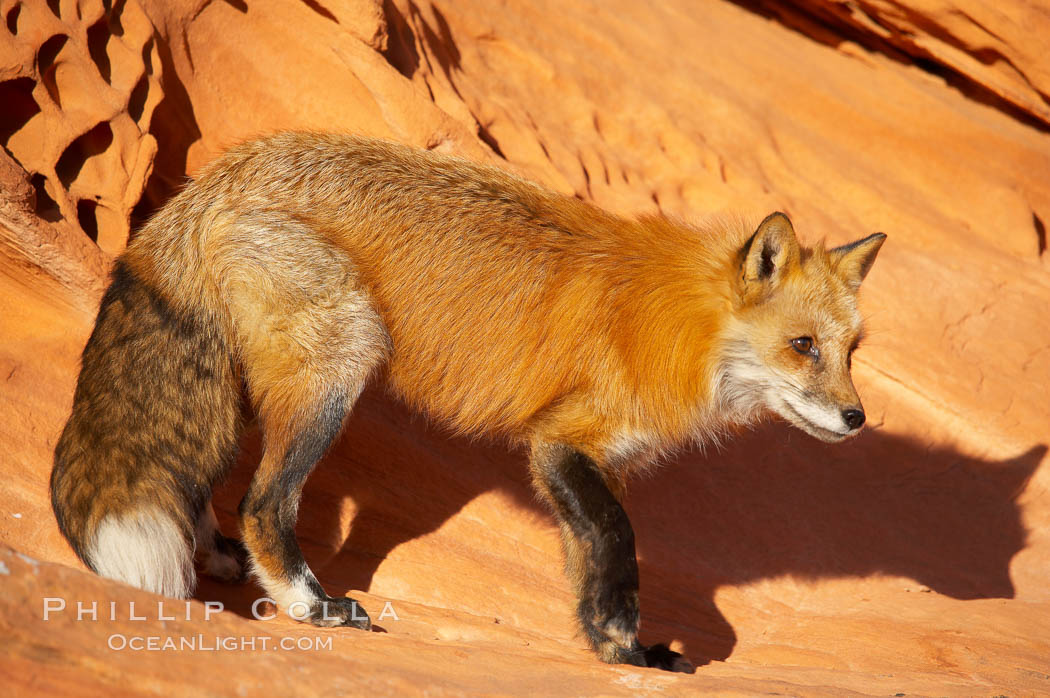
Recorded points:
(778, 503)
(772, 502)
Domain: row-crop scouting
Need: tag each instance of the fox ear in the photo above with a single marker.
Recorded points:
(768, 255)
(853, 261)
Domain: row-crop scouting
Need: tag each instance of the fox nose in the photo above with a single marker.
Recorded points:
(854, 418)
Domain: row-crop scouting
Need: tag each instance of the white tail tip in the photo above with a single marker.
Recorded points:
(146, 549)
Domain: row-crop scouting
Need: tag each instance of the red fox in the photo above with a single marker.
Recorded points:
(302, 266)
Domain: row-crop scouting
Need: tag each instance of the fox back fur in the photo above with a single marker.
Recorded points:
(303, 265)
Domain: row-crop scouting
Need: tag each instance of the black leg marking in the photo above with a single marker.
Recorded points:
(607, 581)
(306, 449)
(273, 508)
(609, 587)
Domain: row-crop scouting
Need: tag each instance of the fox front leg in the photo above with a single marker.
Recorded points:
(599, 549)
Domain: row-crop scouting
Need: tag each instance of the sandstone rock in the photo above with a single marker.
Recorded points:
(912, 560)
(79, 85)
(998, 47)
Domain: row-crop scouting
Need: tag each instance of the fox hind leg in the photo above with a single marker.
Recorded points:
(270, 508)
(269, 511)
(310, 339)
(219, 556)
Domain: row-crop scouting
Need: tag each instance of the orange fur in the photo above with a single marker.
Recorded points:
(476, 274)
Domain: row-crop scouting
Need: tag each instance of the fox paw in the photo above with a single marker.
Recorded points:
(226, 560)
(663, 657)
(613, 630)
(331, 612)
(654, 656)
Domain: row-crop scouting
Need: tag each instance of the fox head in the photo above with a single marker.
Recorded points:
(794, 327)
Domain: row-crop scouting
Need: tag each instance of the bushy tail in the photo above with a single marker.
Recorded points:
(155, 420)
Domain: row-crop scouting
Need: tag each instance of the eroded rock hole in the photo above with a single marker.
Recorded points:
(86, 209)
(46, 207)
(45, 60)
(147, 56)
(137, 100)
(92, 143)
(48, 52)
(401, 42)
(12, 19)
(116, 27)
(54, 6)
(97, 37)
(19, 106)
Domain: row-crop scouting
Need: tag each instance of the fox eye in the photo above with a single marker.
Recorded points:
(804, 345)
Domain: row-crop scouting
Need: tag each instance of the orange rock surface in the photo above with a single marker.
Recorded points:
(912, 560)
